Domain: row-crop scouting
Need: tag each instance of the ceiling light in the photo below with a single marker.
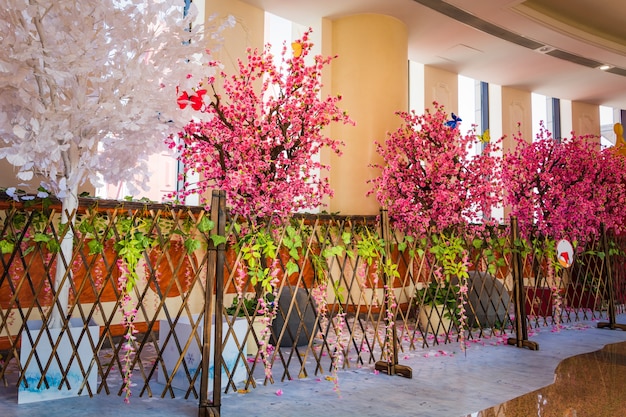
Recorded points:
(545, 49)
(605, 67)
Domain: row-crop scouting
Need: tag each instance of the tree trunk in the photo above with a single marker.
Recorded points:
(64, 259)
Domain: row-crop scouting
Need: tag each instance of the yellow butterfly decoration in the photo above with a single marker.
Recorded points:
(485, 137)
(297, 49)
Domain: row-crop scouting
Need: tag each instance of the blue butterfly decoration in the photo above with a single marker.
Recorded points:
(454, 122)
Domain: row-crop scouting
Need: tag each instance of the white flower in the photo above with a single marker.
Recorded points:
(11, 193)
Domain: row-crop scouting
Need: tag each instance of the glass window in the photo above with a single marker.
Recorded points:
(608, 118)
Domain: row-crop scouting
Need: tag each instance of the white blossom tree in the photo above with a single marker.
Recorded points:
(88, 89)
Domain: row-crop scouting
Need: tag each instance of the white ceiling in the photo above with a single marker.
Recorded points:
(587, 31)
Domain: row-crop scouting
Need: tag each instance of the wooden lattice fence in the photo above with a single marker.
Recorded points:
(339, 285)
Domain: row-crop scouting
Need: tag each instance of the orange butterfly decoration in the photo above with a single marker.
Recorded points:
(297, 49)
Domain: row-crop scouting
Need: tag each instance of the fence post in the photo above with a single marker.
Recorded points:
(390, 366)
(608, 281)
(518, 293)
(214, 279)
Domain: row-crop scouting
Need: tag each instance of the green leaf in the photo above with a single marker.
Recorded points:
(292, 267)
(95, 246)
(41, 237)
(53, 246)
(332, 251)
(205, 225)
(218, 239)
(6, 246)
(191, 245)
(346, 237)
(85, 227)
(338, 290)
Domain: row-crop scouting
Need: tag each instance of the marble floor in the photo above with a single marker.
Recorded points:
(446, 382)
(589, 384)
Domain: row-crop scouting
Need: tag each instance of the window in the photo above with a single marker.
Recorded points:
(608, 118)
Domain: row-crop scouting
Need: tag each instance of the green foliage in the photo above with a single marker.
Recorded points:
(449, 251)
(436, 293)
(205, 225)
(256, 247)
(131, 247)
(493, 250)
(191, 245)
(247, 305)
(95, 246)
(370, 247)
(6, 246)
(406, 240)
(293, 242)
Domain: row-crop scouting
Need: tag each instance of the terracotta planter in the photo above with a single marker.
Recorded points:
(432, 319)
(32, 276)
(175, 263)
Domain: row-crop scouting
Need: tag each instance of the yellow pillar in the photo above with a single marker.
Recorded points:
(248, 32)
(442, 87)
(371, 74)
(586, 120)
(516, 116)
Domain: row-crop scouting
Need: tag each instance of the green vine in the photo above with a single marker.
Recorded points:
(449, 251)
(256, 247)
(131, 247)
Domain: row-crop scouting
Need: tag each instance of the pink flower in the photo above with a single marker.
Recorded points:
(259, 138)
(565, 188)
(429, 179)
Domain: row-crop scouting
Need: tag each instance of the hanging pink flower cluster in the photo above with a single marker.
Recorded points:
(430, 179)
(565, 189)
(260, 131)
(130, 312)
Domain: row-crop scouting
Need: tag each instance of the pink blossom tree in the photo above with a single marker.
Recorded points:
(565, 189)
(433, 187)
(260, 132)
(430, 180)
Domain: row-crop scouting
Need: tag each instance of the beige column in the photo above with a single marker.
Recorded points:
(248, 31)
(517, 116)
(585, 120)
(371, 73)
(442, 87)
